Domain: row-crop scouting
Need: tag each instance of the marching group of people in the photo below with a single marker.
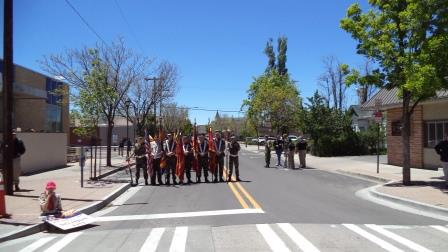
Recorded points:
(287, 147)
(175, 156)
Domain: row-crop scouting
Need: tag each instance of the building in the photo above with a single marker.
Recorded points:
(361, 119)
(41, 118)
(429, 122)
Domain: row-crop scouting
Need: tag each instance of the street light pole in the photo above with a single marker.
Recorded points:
(127, 103)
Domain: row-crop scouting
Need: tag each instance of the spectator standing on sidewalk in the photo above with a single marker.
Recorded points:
(442, 149)
(18, 151)
(278, 147)
(121, 147)
(301, 149)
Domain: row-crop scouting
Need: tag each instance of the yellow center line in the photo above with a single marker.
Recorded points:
(236, 193)
(246, 194)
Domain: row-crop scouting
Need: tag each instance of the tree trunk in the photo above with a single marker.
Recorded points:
(405, 137)
(109, 144)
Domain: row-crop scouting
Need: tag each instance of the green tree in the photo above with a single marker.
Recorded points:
(269, 51)
(273, 99)
(282, 47)
(408, 40)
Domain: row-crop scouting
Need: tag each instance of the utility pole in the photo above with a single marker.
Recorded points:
(8, 78)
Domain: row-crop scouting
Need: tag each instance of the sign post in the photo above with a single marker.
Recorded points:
(378, 119)
(82, 162)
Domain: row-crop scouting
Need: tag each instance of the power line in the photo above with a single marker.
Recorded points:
(85, 21)
(128, 25)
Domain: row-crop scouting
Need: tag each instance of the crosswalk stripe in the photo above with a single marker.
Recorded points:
(179, 240)
(408, 243)
(37, 244)
(153, 240)
(298, 239)
(273, 240)
(380, 242)
(440, 228)
(63, 242)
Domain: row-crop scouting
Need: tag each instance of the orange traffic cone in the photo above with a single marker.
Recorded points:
(2, 197)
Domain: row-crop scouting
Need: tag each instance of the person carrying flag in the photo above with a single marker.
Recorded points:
(203, 159)
(220, 147)
(169, 149)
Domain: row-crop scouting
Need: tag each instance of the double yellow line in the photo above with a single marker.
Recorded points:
(240, 193)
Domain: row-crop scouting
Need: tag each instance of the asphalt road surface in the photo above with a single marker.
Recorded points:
(272, 209)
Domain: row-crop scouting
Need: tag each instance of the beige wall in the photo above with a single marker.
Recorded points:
(435, 111)
(44, 151)
(30, 114)
(431, 158)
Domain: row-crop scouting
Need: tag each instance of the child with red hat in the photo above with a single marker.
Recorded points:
(50, 202)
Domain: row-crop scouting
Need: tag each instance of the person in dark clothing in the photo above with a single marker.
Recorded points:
(140, 160)
(278, 147)
(18, 151)
(301, 149)
(220, 147)
(234, 148)
(267, 151)
(169, 149)
(291, 150)
(203, 159)
(188, 153)
(121, 147)
(442, 149)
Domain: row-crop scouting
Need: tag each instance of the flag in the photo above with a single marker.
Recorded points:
(180, 162)
(162, 159)
(212, 151)
(149, 159)
(195, 149)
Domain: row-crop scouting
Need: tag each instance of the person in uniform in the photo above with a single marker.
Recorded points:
(301, 149)
(291, 152)
(157, 153)
(140, 160)
(267, 151)
(285, 150)
(203, 159)
(234, 148)
(169, 149)
(189, 155)
(278, 147)
(220, 146)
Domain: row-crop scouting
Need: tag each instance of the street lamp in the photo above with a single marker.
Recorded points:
(127, 103)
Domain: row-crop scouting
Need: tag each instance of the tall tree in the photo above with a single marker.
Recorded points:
(365, 79)
(120, 66)
(333, 83)
(269, 51)
(282, 47)
(408, 39)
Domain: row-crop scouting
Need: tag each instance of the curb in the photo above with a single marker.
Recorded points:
(407, 202)
(86, 210)
(370, 177)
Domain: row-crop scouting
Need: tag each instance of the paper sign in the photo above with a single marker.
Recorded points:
(72, 222)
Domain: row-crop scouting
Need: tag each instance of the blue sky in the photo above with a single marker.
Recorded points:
(217, 45)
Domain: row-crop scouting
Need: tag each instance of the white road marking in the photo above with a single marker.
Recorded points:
(37, 244)
(440, 228)
(273, 240)
(408, 243)
(380, 242)
(118, 201)
(63, 242)
(178, 215)
(297, 238)
(179, 240)
(153, 240)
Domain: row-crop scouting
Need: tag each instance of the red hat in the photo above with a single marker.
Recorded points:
(51, 185)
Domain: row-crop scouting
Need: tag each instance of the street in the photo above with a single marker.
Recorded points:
(272, 209)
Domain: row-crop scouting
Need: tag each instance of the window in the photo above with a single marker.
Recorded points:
(434, 131)
(396, 128)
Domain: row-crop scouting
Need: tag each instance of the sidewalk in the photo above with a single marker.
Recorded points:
(427, 185)
(24, 206)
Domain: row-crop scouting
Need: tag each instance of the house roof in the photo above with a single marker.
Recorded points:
(390, 99)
